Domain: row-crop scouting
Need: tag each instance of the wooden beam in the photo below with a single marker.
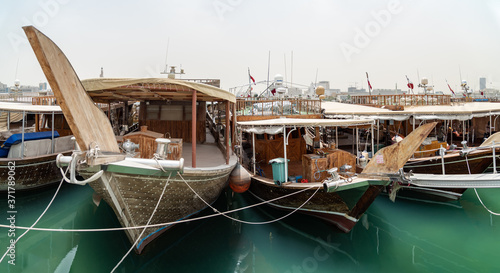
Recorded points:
(233, 128)
(87, 122)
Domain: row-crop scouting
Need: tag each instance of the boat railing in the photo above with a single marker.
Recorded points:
(277, 107)
(217, 131)
(402, 99)
(212, 82)
(14, 97)
(44, 100)
(467, 150)
(51, 100)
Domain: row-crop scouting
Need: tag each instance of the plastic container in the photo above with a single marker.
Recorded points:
(278, 165)
(378, 147)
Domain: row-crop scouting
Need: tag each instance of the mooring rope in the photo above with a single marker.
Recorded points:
(161, 224)
(246, 222)
(31, 227)
(477, 194)
(150, 217)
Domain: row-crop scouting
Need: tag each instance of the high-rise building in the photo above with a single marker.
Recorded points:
(42, 86)
(482, 83)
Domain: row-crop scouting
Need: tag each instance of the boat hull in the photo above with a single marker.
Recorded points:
(333, 207)
(133, 198)
(477, 162)
(30, 173)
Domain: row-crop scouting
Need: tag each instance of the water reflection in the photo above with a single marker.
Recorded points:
(407, 235)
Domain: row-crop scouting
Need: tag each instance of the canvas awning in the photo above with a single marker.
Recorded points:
(273, 126)
(465, 111)
(26, 107)
(140, 89)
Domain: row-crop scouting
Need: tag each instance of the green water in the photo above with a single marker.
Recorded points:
(406, 236)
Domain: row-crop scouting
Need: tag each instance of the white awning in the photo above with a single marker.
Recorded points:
(464, 111)
(20, 107)
(274, 124)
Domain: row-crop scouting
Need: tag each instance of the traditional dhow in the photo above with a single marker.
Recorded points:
(28, 155)
(452, 147)
(145, 189)
(322, 183)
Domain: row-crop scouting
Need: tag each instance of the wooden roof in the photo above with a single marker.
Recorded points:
(106, 90)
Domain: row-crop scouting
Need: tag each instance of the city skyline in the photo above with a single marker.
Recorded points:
(335, 41)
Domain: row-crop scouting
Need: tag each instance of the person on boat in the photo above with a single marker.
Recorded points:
(441, 134)
(487, 131)
(455, 132)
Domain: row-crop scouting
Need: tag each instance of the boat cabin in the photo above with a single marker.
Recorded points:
(168, 108)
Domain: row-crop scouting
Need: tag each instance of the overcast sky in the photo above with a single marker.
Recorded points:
(339, 40)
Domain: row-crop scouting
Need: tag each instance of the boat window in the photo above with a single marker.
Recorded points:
(188, 112)
(152, 111)
(171, 112)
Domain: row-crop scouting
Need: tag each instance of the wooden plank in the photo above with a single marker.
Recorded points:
(365, 201)
(87, 122)
(392, 158)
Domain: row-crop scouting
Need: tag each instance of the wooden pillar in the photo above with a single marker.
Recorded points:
(109, 111)
(37, 122)
(193, 130)
(316, 132)
(233, 128)
(228, 148)
(125, 115)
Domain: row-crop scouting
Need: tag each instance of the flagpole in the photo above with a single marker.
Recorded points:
(284, 55)
(291, 70)
(268, 68)
(369, 86)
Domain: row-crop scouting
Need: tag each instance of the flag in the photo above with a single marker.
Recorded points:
(450, 88)
(410, 84)
(273, 91)
(369, 85)
(251, 79)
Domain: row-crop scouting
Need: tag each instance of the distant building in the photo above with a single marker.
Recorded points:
(491, 93)
(3, 88)
(387, 91)
(329, 92)
(27, 88)
(482, 83)
(325, 84)
(332, 92)
(355, 91)
(42, 86)
(294, 92)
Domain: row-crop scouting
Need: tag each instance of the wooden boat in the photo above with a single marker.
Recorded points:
(467, 161)
(340, 200)
(29, 158)
(141, 191)
(427, 159)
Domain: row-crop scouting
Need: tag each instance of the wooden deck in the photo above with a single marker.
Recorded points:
(207, 154)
